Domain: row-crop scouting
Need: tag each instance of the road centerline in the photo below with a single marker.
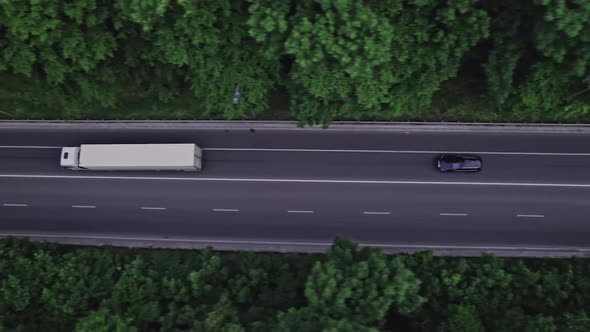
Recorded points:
(530, 216)
(446, 214)
(84, 206)
(300, 211)
(522, 153)
(376, 212)
(15, 205)
(291, 180)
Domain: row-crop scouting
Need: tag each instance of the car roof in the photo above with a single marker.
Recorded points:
(462, 156)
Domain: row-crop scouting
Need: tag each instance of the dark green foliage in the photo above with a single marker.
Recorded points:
(104, 53)
(102, 320)
(376, 59)
(464, 318)
(308, 320)
(61, 288)
(540, 57)
(505, 295)
(208, 42)
(352, 290)
(576, 322)
(507, 49)
(64, 47)
(487, 60)
(360, 285)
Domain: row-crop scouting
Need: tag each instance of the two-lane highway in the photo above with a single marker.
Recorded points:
(284, 188)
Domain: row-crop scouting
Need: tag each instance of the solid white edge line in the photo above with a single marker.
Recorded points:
(299, 211)
(279, 180)
(454, 214)
(152, 208)
(226, 210)
(12, 204)
(29, 147)
(530, 216)
(220, 241)
(562, 154)
(403, 151)
(376, 213)
(84, 206)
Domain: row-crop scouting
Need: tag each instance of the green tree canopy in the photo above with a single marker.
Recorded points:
(208, 44)
(357, 59)
(360, 285)
(540, 57)
(102, 320)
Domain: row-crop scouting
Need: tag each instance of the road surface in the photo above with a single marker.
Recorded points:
(297, 190)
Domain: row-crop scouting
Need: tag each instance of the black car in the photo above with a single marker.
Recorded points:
(459, 163)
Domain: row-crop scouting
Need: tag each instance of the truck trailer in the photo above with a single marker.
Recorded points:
(132, 157)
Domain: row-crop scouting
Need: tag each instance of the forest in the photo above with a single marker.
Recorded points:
(312, 61)
(51, 287)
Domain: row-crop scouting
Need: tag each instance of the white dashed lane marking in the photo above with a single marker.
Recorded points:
(226, 210)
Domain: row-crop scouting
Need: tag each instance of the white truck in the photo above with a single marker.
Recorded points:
(136, 157)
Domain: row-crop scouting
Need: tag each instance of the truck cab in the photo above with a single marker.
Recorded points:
(70, 157)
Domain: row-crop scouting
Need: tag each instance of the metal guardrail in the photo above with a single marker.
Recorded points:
(394, 126)
(294, 247)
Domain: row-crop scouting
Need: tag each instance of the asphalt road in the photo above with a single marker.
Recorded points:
(300, 189)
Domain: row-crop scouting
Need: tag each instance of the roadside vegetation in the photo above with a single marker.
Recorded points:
(314, 61)
(49, 287)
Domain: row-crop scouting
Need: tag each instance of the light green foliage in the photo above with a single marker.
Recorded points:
(102, 320)
(360, 285)
(136, 293)
(248, 281)
(430, 42)
(267, 24)
(338, 54)
(346, 32)
(143, 12)
(222, 318)
(564, 34)
(478, 286)
(201, 282)
(464, 318)
(24, 273)
(542, 92)
(379, 59)
(80, 279)
(352, 290)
